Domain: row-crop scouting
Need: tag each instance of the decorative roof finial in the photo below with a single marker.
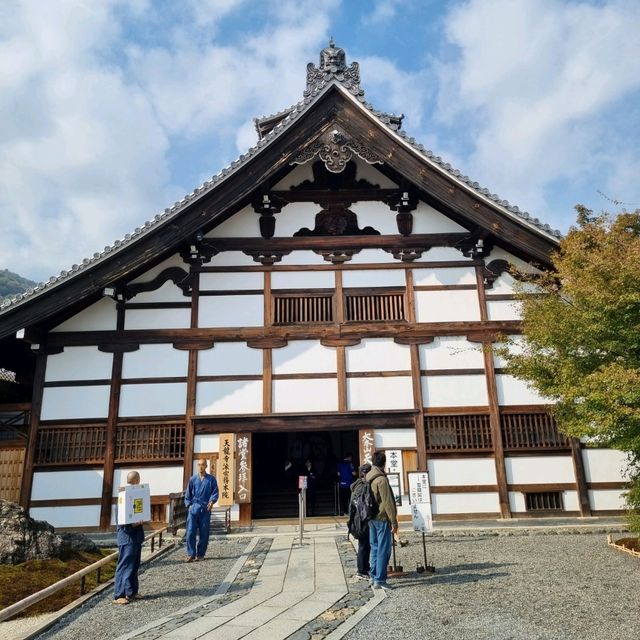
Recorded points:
(333, 59)
(333, 64)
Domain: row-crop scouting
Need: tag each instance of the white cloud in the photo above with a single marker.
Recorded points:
(383, 10)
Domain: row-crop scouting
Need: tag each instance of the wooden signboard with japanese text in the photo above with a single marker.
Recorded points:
(243, 468)
(366, 442)
(226, 469)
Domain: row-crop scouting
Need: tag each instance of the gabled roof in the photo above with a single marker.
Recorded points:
(333, 85)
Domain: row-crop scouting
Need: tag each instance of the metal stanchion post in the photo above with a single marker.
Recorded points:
(301, 507)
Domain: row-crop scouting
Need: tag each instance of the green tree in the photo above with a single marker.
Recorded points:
(582, 336)
(11, 283)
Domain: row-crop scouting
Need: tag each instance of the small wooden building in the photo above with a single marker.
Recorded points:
(332, 290)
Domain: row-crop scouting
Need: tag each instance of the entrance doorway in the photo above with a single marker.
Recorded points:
(279, 458)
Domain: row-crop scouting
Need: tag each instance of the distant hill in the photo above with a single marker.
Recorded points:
(11, 284)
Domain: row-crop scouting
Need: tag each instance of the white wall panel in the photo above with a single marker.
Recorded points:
(79, 363)
(517, 503)
(454, 391)
(514, 345)
(539, 470)
(302, 258)
(571, 501)
(461, 471)
(230, 359)
(157, 319)
(427, 220)
(298, 174)
(154, 361)
(394, 438)
(68, 517)
(303, 280)
(378, 354)
(451, 352)
(443, 253)
(606, 500)
(369, 172)
(161, 399)
(379, 393)
(232, 259)
(506, 284)
(231, 311)
(206, 443)
(168, 292)
(604, 465)
(290, 396)
(228, 281)
(374, 278)
(377, 215)
(514, 391)
(295, 216)
(66, 403)
(243, 224)
(100, 316)
(447, 306)
(161, 480)
(449, 275)
(304, 356)
(216, 398)
(442, 503)
(504, 309)
(61, 485)
(373, 256)
(498, 253)
(173, 261)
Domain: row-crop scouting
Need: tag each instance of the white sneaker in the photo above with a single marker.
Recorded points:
(384, 586)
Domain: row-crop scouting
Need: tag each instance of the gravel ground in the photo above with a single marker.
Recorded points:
(537, 587)
(168, 584)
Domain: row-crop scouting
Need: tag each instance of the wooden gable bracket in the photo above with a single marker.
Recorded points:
(177, 275)
(266, 256)
(266, 205)
(476, 246)
(199, 250)
(336, 256)
(493, 271)
(404, 201)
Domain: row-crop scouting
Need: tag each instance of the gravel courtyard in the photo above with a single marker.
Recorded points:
(546, 587)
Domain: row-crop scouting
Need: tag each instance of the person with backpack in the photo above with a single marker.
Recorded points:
(358, 523)
(384, 524)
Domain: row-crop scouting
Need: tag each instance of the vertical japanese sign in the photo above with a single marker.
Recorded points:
(394, 465)
(226, 469)
(367, 445)
(243, 464)
(420, 500)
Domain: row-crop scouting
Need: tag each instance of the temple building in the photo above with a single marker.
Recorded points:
(335, 290)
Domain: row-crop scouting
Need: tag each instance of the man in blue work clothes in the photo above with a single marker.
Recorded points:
(130, 538)
(200, 496)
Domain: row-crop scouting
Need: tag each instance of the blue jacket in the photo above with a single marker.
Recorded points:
(200, 493)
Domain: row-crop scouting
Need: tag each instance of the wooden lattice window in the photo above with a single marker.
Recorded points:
(458, 432)
(143, 442)
(531, 431)
(78, 444)
(302, 309)
(374, 307)
(544, 501)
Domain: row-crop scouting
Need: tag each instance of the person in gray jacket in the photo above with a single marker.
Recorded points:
(384, 525)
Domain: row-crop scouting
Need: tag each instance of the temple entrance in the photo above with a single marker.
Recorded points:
(279, 458)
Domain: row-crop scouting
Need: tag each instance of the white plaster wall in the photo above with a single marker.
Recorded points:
(379, 393)
(155, 361)
(606, 499)
(443, 253)
(498, 253)
(517, 503)
(66, 403)
(447, 306)
(229, 359)
(373, 256)
(427, 220)
(448, 275)
(231, 311)
(228, 281)
(207, 443)
(61, 485)
(173, 261)
(161, 399)
(68, 517)
(461, 471)
(514, 391)
(157, 319)
(377, 215)
(539, 469)
(79, 363)
(290, 396)
(303, 280)
(504, 309)
(442, 503)
(243, 224)
(168, 292)
(454, 391)
(571, 501)
(304, 356)
(374, 278)
(370, 173)
(161, 480)
(506, 284)
(303, 258)
(216, 398)
(100, 316)
(451, 352)
(394, 438)
(294, 217)
(298, 174)
(378, 354)
(604, 465)
(515, 345)
(232, 259)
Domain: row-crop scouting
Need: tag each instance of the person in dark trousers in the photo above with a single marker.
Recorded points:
(130, 538)
(312, 486)
(384, 525)
(346, 475)
(364, 546)
(199, 498)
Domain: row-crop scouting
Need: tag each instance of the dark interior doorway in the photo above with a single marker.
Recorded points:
(279, 458)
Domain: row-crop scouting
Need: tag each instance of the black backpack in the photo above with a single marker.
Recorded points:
(362, 509)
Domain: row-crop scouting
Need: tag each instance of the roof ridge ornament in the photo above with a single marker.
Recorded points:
(333, 64)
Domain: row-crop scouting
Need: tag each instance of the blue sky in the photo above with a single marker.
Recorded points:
(111, 110)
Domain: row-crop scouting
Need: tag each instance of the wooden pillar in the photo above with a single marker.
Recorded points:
(110, 434)
(581, 480)
(341, 354)
(267, 353)
(192, 382)
(34, 422)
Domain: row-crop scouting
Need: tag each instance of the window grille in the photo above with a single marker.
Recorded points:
(458, 432)
(307, 309)
(78, 444)
(544, 501)
(531, 431)
(149, 442)
(374, 307)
